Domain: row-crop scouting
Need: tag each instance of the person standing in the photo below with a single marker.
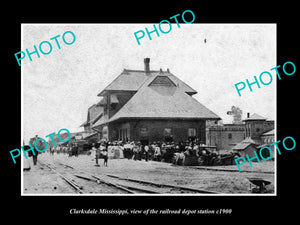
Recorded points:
(97, 154)
(157, 153)
(109, 148)
(139, 151)
(39, 146)
(26, 161)
(135, 151)
(121, 149)
(105, 157)
(75, 149)
(146, 149)
(126, 150)
(130, 150)
(102, 148)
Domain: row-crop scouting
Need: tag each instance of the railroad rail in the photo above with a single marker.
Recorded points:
(126, 188)
(73, 184)
(93, 178)
(226, 169)
(134, 186)
(181, 188)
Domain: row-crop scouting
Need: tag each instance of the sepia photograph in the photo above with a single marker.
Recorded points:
(187, 112)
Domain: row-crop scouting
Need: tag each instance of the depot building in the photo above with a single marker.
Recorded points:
(148, 105)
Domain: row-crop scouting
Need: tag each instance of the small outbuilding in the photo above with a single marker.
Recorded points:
(248, 147)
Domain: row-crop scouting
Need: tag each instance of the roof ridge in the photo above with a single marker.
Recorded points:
(256, 116)
(138, 79)
(130, 70)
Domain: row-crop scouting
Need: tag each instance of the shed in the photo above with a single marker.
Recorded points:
(244, 148)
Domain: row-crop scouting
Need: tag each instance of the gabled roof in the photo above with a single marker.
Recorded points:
(102, 120)
(255, 117)
(132, 80)
(248, 140)
(244, 144)
(94, 113)
(113, 99)
(163, 102)
(269, 133)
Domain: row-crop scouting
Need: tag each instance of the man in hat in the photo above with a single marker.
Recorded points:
(39, 146)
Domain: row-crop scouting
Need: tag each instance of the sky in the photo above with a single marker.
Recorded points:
(58, 88)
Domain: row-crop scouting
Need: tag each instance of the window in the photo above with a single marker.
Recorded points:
(120, 134)
(167, 132)
(143, 131)
(123, 134)
(162, 81)
(230, 136)
(192, 132)
(168, 135)
(249, 130)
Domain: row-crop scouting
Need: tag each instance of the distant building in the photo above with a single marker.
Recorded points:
(267, 138)
(149, 105)
(93, 115)
(260, 131)
(254, 127)
(224, 137)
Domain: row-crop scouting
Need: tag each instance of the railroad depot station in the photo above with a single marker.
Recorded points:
(156, 106)
(146, 106)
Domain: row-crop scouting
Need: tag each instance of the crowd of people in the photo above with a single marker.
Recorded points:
(182, 153)
(156, 151)
(134, 150)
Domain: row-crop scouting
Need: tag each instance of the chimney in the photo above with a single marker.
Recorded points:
(147, 65)
(248, 115)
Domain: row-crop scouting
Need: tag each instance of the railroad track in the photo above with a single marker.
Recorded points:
(72, 183)
(129, 185)
(104, 183)
(160, 185)
(104, 179)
